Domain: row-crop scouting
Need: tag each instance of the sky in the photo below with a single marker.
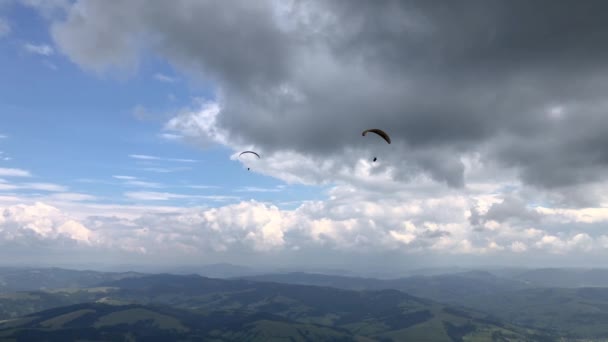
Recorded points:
(121, 124)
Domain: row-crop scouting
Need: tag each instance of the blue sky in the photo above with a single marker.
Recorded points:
(80, 129)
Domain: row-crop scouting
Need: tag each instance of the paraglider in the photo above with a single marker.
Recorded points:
(252, 152)
(379, 132)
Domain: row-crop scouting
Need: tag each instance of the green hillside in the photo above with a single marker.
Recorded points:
(580, 312)
(101, 322)
(387, 315)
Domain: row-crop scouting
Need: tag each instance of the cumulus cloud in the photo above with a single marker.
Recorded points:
(351, 223)
(40, 222)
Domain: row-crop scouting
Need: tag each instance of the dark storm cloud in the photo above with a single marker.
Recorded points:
(524, 81)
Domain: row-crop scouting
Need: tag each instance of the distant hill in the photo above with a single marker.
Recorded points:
(387, 315)
(564, 277)
(579, 312)
(27, 279)
(449, 288)
(101, 322)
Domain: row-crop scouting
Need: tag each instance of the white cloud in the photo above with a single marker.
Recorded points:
(144, 157)
(143, 184)
(155, 196)
(44, 187)
(183, 160)
(46, 222)
(349, 223)
(203, 186)
(3, 136)
(170, 136)
(72, 197)
(7, 172)
(148, 157)
(50, 187)
(165, 196)
(164, 78)
(518, 247)
(258, 189)
(124, 177)
(135, 182)
(165, 169)
(42, 49)
(198, 125)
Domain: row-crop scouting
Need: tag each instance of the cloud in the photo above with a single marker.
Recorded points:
(148, 157)
(183, 160)
(488, 87)
(33, 223)
(164, 78)
(44, 187)
(143, 184)
(165, 196)
(72, 197)
(143, 157)
(134, 181)
(155, 196)
(47, 8)
(198, 125)
(165, 169)
(124, 177)
(351, 223)
(258, 189)
(8, 172)
(42, 49)
(48, 187)
(3, 136)
(5, 27)
(203, 186)
(498, 126)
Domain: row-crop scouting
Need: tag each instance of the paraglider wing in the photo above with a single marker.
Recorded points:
(379, 132)
(254, 153)
(249, 152)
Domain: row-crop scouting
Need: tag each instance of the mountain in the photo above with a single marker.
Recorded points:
(579, 312)
(449, 288)
(387, 315)
(222, 270)
(517, 297)
(27, 279)
(564, 277)
(101, 322)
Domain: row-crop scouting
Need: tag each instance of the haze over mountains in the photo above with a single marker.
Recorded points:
(478, 305)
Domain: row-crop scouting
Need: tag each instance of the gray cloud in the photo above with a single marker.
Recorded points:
(444, 79)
